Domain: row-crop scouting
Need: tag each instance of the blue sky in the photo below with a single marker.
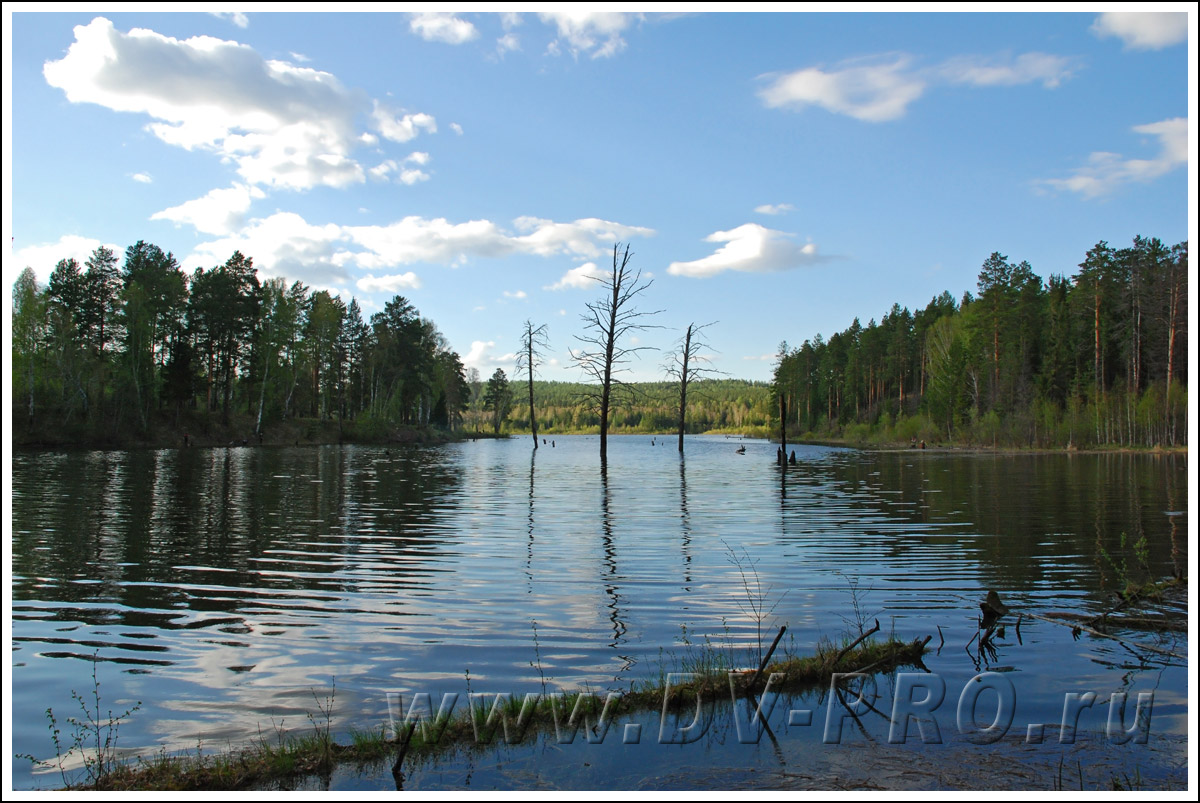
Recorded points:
(777, 173)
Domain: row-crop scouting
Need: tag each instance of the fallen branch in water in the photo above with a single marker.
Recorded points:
(1094, 632)
(1133, 622)
(854, 644)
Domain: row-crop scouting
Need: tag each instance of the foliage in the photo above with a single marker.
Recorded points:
(1096, 359)
(107, 350)
(93, 737)
(498, 398)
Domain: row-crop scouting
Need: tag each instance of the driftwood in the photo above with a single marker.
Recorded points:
(998, 608)
(1134, 622)
(854, 644)
(766, 658)
(1102, 634)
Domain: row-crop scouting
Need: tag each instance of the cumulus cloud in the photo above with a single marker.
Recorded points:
(437, 26)
(1106, 172)
(750, 248)
(881, 88)
(221, 211)
(404, 175)
(582, 237)
(400, 127)
(43, 257)
(143, 178)
(774, 209)
(236, 17)
(1143, 30)
(584, 276)
(596, 33)
(872, 92)
(481, 358)
(389, 284)
(417, 239)
(1026, 68)
(282, 125)
(283, 244)
(519, 294)
(507, 43)
(456, 128)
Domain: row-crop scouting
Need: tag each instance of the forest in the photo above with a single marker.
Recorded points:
(714, 405)
(1097, 359)
(113, 353)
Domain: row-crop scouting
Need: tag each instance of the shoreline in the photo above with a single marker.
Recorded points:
(310, 432)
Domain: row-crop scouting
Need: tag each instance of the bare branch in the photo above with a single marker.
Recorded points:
(606, 323)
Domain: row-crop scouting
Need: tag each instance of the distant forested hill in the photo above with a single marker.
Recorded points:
(713, 404)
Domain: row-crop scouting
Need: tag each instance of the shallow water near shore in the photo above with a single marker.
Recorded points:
(231, 591)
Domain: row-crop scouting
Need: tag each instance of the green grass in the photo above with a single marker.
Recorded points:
(278, 758)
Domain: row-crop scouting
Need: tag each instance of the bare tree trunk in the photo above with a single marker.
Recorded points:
(532, 414)
(683, 383)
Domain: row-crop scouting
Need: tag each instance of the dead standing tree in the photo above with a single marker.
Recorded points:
(687, 363)
(607, 322)
(533, 340)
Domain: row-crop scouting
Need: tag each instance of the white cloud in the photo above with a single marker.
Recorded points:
(418, 157)
(417, 239)
(221, 211)
(510, 20)
(507, 43)
(282, 125)
(517, 295)
(1027, 68)
(1106, 172)
(404, 175)
(584, 276)
(871, 92)
(774, 209)
(1143, 30)
(43, 257)
(283, 244)
(881, 88)
(400, 127)
(143, 178)
(763, 357)
(300, 57)
(411, 176)
(433, 26)
(381, 171)
(456, 128)
(597, 33)
(389, 284)
(236, 17)
(750, 248)
(481, 358)
(582, 237)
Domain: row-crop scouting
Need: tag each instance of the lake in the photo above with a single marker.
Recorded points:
(231, 591)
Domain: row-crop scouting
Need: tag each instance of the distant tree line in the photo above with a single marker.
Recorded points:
(731, 405)
(109, 347)
(1099, 358)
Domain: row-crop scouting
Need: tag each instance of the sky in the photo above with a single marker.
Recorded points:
(775, 174)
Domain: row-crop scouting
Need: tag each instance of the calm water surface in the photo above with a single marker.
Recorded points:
(227, 589)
